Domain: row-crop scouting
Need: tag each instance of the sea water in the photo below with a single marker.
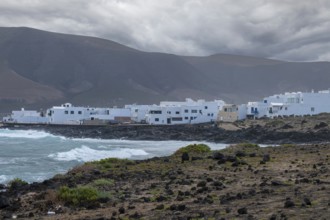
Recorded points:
(34, 155)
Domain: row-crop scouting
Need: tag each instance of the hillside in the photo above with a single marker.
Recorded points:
(91, 71)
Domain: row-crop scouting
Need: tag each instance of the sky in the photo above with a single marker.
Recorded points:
(293, 30)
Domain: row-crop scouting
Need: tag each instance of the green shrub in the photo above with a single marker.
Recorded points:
(78, 196)
(102, 183)
(288, 145)
(16, 183)
(248, 145)
(193, 148)
(111, 162)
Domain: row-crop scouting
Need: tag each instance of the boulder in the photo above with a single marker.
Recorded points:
(218, 156)
(184, 157)
(4, 202)
(242, 211)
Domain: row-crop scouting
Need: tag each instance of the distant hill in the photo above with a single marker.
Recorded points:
(40, 69)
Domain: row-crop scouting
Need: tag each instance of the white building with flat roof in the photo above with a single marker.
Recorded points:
(26, 117)
(188, 112)
(67, 114)
(291, 103)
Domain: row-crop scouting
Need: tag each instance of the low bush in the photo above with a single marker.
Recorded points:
(16, 183)
(111, 163)
(80, 195)
(194, 148)
(103, 183)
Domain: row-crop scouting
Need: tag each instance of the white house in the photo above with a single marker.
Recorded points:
(188, 112)
(69, 114)
(138, 112)
(26, 117)
(294, 103)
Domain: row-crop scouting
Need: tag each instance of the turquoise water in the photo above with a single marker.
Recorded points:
(36, 155)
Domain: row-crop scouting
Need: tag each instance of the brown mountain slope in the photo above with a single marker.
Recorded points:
(15, 87)
(93, 71)
(240, 78)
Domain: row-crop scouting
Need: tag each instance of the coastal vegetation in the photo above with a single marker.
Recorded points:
(243, 181)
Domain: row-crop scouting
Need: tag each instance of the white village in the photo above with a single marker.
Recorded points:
(174, 113)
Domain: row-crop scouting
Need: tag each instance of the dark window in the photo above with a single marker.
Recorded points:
(177, 113)
(156, 112)
(225, 109)
(79, 112)
(186, 111)
(72, 112)
(177, 119)
(312, 109)
(193, 111)
(205, 107)
(265, 101)
(191, 118)
(66, 112)
(156, 119)
(186, 118)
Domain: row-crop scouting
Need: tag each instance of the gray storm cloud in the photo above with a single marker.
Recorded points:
(282, 29)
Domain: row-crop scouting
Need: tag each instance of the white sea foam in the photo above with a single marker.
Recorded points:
(3, 179)
(85, 154)
(30, 134)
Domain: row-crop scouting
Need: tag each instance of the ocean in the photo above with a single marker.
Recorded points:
(34, 156)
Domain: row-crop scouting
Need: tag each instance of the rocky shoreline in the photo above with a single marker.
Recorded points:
(243, 181)
(312, 129)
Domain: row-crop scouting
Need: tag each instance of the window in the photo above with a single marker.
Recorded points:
(66, 112)
(136, 110)
(169, 112)
(72, 112)
(186, 118)
(191, 118)
(225, 109)
(286, 108)
(206, 107)
(177, 119)
(186, 111)
(265, 101)
(312, 109)
(79, 112)
(177, 112)
(156, 119)
(156, 112)
(194, 111)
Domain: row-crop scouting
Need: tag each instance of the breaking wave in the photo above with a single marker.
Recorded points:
(85, 154)
(29, 134)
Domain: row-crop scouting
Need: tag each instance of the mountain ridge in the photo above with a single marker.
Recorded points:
(93, 71)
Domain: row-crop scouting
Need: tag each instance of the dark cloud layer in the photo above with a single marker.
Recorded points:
(282, 29)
